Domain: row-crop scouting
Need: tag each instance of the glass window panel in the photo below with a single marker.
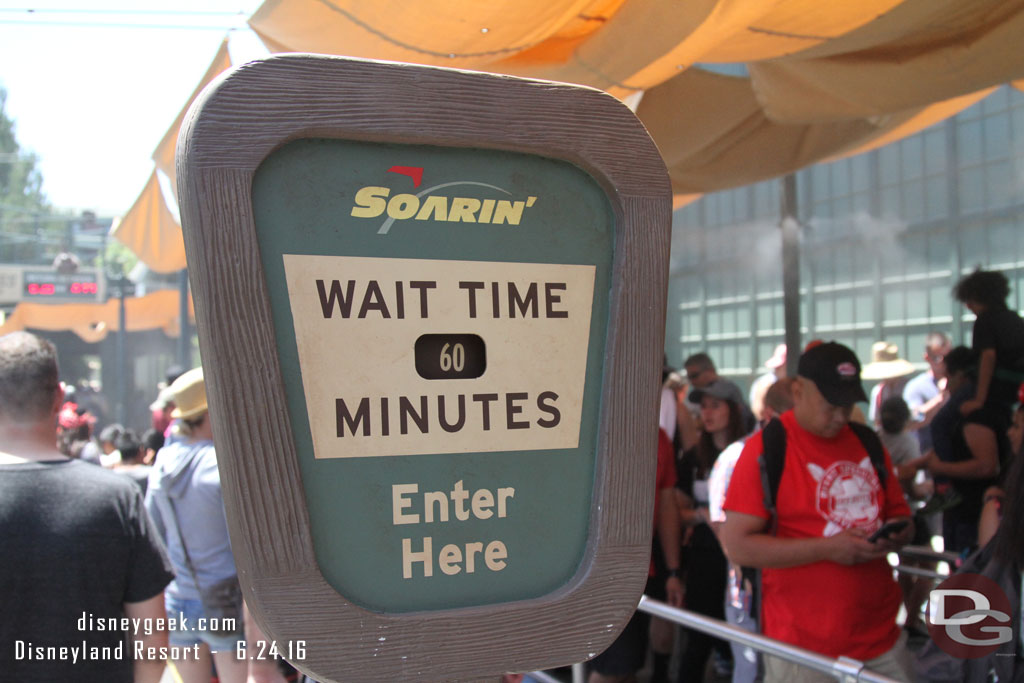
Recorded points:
(843, 210)
(843, 266)
(841, 177)
(995, 102)
(860, 172)
(741, 202)
(912, 149)
(824, 269)
(917, 302)
(728, 320)
(723, 207)
(864, 308)
(710, 211)
(764, 317)
(766, 200)
(972, 246)
(972, 190)
(969, 142)
(913, 201)
(844, 310)
(940, 251)
(823, 311)
(892, 305)
(997, 136)
(861, 203)
(743, 359)
(1002, 242)
(889, 164)
(891, 202)
(936, 197)
(862, 347)
(969, 114)
(999, 182)
(935, 150)
(714, 322)
(915, 247)
(940, 302)
(779, 316)
(1018, 123)
(819, 182)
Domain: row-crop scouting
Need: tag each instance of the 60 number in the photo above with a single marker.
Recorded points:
(455, 359)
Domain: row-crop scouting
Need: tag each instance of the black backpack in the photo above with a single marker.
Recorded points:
(772, 461)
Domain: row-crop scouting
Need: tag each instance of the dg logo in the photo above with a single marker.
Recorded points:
(969, 616)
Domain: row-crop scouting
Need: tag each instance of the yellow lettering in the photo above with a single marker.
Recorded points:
(370, 202)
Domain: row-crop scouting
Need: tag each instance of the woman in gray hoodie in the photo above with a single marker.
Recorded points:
(184, 500)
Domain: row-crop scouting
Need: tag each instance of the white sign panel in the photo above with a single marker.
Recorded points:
(358, 321)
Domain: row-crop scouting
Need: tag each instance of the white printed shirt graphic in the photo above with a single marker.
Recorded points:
(847, 495)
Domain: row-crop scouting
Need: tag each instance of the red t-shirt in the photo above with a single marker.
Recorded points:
(827, 485)
(665, 479)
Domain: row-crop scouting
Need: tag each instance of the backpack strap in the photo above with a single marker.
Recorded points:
(772, 461)
(873, 445)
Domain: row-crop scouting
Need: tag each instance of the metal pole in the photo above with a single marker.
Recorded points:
(122, 403)
(790, 226)
(184, 331)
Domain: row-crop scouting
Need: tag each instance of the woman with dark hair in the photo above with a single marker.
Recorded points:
(704, 562)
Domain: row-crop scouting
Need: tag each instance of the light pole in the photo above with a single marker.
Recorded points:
(116, 274)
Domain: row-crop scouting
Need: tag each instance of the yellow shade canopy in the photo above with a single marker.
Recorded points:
(813, 81)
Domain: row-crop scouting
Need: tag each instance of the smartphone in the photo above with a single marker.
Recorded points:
(888, 529)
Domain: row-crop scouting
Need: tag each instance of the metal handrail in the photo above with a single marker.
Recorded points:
(844, 669)
(922, 552)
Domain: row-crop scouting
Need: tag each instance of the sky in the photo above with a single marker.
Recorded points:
(92, 91)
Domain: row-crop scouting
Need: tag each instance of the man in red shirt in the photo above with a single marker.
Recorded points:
(826, 587)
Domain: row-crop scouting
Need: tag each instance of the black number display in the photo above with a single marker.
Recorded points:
(450, 356)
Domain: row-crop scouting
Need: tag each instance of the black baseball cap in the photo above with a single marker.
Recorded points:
(720, 389)
(835, 370)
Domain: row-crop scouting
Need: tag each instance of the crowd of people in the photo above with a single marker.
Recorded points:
(776, 515)
(131, 531)
(791, 499)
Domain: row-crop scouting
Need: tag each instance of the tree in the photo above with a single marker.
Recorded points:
(29, 228)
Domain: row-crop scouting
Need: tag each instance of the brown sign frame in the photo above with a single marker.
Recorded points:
(233, 126)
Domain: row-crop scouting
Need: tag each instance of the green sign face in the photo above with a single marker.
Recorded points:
(441, 317)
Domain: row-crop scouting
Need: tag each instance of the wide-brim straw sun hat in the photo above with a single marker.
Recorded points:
(189, 392)
(886, 363)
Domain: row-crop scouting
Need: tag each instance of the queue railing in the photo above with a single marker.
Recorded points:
(844, 669)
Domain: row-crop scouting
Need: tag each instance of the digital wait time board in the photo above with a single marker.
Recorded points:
(445, 314)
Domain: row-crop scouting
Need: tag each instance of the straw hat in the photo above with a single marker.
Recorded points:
(189, 395)
(886, 363)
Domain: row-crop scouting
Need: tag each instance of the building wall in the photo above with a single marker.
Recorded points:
(885, 236)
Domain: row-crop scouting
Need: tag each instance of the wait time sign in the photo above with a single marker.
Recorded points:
(431, 306)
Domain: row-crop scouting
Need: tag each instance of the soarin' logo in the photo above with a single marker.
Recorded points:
(372, 201)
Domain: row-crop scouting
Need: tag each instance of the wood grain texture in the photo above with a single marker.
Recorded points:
(229, 131)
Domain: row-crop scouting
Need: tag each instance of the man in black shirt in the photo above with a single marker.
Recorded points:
(82, 571)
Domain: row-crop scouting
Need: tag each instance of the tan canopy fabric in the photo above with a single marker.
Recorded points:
(920, 52)
(151, 231)
(732, 142)
(820, 80)
(163, 155)
(93, 322)
(826, 78)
